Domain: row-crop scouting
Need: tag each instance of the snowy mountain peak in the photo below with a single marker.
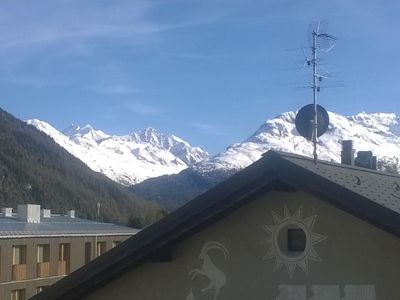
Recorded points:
(282, 125)
(177, 139)
(41, 125)
(86, 132)
(70, 130)
(126, 159)
(181, 149)
(153, 137)
(378, 132)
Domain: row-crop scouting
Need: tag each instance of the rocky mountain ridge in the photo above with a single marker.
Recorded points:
(127, 159)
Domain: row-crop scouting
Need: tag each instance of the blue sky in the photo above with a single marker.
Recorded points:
(209, 71)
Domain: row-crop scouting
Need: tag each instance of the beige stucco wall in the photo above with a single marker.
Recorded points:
(77, 257)
(357, 260)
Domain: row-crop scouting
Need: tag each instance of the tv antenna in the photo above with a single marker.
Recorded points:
(312, 120)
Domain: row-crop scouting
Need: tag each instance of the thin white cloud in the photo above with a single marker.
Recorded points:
(187, 55)
(37, 83)
(59, 21)
(209, 129)
(114, 89)
(146, 109)
(50, 22)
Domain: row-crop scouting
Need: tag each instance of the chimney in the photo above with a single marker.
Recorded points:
(71, 213)
(46, 213)
(365, 159)
(29, 213)
(7, 211)
(347, 155)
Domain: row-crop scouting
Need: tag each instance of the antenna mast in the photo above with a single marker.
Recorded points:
(319, 40)
(314, 88)
(313, 120)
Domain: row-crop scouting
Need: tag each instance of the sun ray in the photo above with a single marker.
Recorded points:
(267, 241)
(270, 254)
(317, 238)
(313, 255)
(299, 213)
(276, 217)
(286, 212)
(269, 228)
(310, 221)
(291, 267)
(303, 264)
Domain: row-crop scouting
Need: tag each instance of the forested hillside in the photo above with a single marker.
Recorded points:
(34, 169)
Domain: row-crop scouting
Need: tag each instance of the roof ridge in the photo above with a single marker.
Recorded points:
(329, 163)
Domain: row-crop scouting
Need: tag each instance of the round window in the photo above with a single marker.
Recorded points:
(292, 240)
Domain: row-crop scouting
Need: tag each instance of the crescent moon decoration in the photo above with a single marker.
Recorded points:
(277, 239)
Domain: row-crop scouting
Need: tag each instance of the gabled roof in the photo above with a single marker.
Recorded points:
(370, 195)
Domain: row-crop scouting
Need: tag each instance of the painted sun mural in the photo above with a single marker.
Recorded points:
(277, 241)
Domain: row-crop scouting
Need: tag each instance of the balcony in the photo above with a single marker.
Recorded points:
(43, 269)
(19, 272)
(63, 267)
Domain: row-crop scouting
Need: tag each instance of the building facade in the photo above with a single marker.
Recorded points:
(37, 248)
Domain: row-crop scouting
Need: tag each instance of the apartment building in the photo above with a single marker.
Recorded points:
(37, 248)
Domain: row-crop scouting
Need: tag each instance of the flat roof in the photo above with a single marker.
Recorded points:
(59, 226)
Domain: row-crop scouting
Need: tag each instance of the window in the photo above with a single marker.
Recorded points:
(43, 253)
(64, 254)
(18, 294)
(116, 243)
(43, 260)
(101, 248)
(296, 240)
(19, 262)
(19, 255)
(88, 252)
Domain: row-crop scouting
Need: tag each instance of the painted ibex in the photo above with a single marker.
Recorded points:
(208, 269)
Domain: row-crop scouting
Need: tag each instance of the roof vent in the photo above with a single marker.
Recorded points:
(347, 155)
(29, 213)
(46, 213)
(365, 159)
(7, 211)
(71, 213)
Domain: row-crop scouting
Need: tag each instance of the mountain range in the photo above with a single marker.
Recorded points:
(34, 169)
(378, 132)
(127, 159)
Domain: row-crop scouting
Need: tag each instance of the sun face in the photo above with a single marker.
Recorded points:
(279, 241)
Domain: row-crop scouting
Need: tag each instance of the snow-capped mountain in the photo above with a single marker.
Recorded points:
(378, 132)
(145, 155)
(127, 159)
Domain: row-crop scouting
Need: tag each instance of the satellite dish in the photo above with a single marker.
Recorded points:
(305, 121)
